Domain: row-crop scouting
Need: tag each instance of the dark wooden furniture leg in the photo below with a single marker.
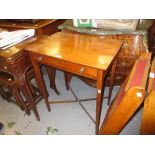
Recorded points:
(40, 82)
(31, 88)
(112, 74)
(99, 97)
(27, 93)
(51, 74)
(20, 101)
(68, 78)
(1, 125)
(2, 93)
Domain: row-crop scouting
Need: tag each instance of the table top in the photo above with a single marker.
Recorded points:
(92, 51)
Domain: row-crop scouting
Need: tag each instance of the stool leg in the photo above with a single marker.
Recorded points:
(2, 93)
(31, 88)
(6, 95)
(27, 93)
(20, 101)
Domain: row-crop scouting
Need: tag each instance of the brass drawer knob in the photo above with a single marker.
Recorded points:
(82, 70)
(40, 58)
(5, 67)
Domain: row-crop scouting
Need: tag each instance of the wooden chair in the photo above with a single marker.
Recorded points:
(9, 88)
(129, 97)
(148, 116)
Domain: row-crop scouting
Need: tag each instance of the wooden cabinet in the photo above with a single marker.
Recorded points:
(134, 44)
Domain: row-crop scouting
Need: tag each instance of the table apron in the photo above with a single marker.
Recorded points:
(71, 67)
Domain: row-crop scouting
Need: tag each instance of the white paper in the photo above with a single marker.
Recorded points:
(8, 39)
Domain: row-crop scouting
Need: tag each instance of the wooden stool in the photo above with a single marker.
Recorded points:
(35, 92)
(7, 81)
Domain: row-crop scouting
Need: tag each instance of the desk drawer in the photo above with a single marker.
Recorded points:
(69, 67)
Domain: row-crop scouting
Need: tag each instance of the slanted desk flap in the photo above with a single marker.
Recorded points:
(139, 73)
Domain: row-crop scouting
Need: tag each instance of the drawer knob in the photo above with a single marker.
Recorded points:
(5, 67)
(40, 58)
(82, 70)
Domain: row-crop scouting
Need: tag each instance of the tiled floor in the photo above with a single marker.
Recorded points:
(64, 119)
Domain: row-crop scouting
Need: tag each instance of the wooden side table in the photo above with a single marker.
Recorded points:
(87, 56)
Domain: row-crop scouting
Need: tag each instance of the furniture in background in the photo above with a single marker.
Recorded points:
(129, 97)
(1, 125)
(41, 26)
(16, 62)
(7, 82)
(151, 38)
(9, 89)
(87, 56)
(148, 116)
(135, 43)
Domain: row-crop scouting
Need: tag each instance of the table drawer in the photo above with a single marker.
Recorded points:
(69, 67)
